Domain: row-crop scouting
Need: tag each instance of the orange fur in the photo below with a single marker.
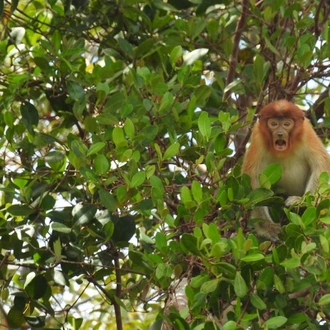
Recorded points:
(303, 160)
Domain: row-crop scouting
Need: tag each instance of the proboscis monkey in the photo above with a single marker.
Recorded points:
(283, 135)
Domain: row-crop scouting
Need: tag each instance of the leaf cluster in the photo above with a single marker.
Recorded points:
(122, 129)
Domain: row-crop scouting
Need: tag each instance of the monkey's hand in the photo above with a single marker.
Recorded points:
(268, 229)
(292, 200)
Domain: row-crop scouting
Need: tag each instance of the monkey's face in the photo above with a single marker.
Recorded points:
(280, 129)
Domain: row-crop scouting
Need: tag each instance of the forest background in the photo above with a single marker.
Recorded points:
(122, 130)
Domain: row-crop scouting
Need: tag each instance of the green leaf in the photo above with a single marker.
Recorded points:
(197, 191)
(202, 94)
(124, 228)
(271, 47)
(171, 151)
(189, 242)
(225, 120)
(230, 325)
(42, 62)
(107, 200)
(89, 175)
(185, 195)
(309, 216)
(129, 128)
(273, 173)
(253, 257)
(240, 286)
(163, 270)
(95, 148)
(307, 248)
(166, 102)
(278, 284)
(54, 157)
(258, 69)
(79, 149)
(197, 281)
(235, 86)
(161, 241)
(259, 195)
(297, 318)
(213, 233)
(60, 227)
(37, 287)
(324, 300)
(156, 182)
(57, 247)
(257, 302)
(227, 269)
(83, 214)
(160, 89)
(56, 39)
(266, 278)
(9, 118)
(275, 322)
(295, 218)
(305, 22)
(324, 244)
(126, 47)
(76, 92)
(204, 125)
(325, 220)
(20, 210)
(138, 179)
(118, 137)
(115, 102)
(30, 116)
(108, 230)
(210, 286)
(176, 56)
(101, 164)
(15, 316)
(268, 13)
(102, 90)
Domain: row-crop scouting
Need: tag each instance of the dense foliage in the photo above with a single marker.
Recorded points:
(123, 124)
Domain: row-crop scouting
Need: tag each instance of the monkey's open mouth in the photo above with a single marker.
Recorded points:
(280, 145)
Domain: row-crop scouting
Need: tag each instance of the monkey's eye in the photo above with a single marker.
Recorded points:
(273, 123)
(287, 123)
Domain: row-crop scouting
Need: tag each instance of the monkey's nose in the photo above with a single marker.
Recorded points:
(280, 135)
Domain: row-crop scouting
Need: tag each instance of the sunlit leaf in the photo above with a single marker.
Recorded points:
(240, 286)
(138, 179)
(204, 125)
(95, 148)
(276, 322)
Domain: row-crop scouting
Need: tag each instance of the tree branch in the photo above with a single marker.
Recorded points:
(237, 38)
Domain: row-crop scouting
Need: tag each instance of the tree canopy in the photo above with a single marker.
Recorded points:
(123, 124)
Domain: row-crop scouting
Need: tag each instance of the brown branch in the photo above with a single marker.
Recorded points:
(111, 299)
(237, 38)
(292, 86)
(318, 26)
(116, 306)
(240, 150)
(298, 294)
(317, 111)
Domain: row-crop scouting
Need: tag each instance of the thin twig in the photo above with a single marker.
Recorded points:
(116, 306)
(237, 38)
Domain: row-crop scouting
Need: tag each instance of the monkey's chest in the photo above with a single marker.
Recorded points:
(295, 176)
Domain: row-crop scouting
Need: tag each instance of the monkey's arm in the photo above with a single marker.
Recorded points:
(318, 161)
